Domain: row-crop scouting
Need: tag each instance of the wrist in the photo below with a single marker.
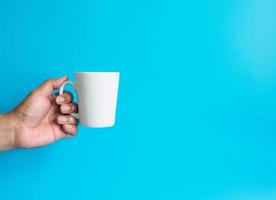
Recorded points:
(7, 131)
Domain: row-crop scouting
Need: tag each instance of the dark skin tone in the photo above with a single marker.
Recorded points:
(42, 118)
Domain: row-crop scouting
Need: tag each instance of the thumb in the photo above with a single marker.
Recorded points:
(48, 86)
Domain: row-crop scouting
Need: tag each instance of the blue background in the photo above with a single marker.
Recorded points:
(196, 110)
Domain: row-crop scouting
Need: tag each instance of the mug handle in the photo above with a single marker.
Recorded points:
(61, 90)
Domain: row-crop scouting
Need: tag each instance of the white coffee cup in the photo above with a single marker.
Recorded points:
(97, 97)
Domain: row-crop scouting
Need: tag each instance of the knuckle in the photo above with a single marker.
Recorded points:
(71, 106)
(71, 131)
(71, 119)
(49, 80)
(68, 96)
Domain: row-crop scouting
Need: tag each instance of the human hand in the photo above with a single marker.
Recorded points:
(42, 117)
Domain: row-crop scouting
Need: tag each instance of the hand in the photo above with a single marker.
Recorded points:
(42, 117)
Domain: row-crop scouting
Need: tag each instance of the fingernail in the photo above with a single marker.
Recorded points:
(60, 99)
(66, 108)
(62, 118)
(68, 126)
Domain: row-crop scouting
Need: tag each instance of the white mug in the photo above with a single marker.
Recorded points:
(97, 97)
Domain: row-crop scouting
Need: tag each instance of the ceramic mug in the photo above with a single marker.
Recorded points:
(97, 97)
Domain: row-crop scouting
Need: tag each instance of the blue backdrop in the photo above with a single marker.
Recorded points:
(196, 110)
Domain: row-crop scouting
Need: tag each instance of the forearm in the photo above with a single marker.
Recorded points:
(7, 136)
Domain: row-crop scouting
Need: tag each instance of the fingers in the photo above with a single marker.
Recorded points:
(69, 108)
(68, 124)
(47, 87)
(66, 119)
(66, 97)
(70, 129)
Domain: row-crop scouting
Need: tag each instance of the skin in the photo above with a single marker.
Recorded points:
(42, 118)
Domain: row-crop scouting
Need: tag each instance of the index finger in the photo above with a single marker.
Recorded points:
(47, 87)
